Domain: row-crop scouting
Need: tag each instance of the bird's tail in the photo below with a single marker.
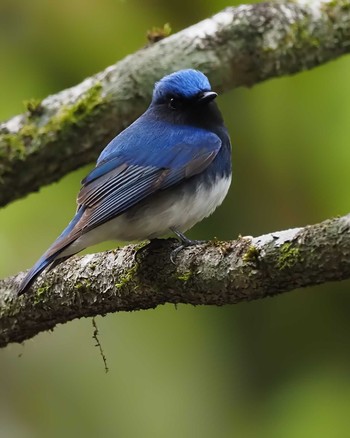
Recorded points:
(51, 256)
(34, 272)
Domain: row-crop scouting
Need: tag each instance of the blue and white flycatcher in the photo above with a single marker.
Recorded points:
(167, 171)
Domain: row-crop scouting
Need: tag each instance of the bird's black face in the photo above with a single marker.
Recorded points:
(178, 103)
(195, 110)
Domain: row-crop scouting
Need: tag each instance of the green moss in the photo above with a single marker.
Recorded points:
(12, 146)
(331, 4)
(252, 254)
(75, 114)
(289, 256)
(84, 283)
(28, 139)
(301, 35)
(39, 292)
(225, 247)
(34, 107)
(343, 4)
(185, 276)
(158, 33)
(127, 277)
(29, 130)
(216, 242)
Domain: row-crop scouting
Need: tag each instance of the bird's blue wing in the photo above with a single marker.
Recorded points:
(126, 177)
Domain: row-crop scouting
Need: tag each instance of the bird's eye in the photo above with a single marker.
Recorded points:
(174, 103)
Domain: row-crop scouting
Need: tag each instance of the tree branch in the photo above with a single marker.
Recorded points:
(239, 46)
(214, 273)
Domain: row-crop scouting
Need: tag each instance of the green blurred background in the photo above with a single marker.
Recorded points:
(273, 368)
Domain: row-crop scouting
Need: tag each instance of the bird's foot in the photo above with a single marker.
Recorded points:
(184, 243)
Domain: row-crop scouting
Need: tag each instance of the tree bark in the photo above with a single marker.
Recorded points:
(237, 47)
(213, 273)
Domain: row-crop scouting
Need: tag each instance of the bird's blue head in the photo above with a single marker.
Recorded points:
(183, 85)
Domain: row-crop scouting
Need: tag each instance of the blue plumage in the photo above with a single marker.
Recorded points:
(186, 84)
(166, 171)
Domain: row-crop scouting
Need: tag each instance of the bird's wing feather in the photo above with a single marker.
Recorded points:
(107, 194)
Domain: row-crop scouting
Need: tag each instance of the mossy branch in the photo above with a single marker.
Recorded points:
(213, 273)
(237, 47)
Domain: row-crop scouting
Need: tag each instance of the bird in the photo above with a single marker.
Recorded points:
(164, 173)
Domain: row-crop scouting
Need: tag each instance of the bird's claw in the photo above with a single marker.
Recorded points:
(184, 243)
(175, 252)
(157, 243)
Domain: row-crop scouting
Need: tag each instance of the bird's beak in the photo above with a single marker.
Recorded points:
(206, 97)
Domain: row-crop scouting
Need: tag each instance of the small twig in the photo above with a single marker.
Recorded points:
(98, 344)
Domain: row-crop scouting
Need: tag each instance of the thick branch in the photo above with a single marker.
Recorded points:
(215, 273)
(238, 46)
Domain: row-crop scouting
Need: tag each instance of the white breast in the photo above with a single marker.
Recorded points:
(179, 209)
